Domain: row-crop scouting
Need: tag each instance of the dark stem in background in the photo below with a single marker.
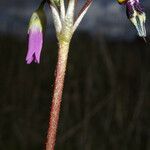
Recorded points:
(57, 95)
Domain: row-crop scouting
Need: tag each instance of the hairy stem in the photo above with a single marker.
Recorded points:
(57, 95)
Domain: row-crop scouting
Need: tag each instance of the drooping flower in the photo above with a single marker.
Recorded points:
(136, 15)
(35, 36)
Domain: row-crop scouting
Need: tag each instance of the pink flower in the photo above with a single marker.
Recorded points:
(35, 37)
(34, 46)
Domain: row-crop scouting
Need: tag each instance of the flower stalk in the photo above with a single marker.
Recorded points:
(57, 95)
(65, 25)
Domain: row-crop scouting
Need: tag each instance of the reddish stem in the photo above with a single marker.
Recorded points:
(57, 95)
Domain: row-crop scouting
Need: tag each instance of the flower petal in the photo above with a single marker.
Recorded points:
(34, 46)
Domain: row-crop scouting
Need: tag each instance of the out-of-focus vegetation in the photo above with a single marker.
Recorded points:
(106, 100)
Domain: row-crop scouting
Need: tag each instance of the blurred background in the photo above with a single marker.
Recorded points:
(106, 99)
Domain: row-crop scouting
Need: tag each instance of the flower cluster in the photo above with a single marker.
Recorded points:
(64, 21)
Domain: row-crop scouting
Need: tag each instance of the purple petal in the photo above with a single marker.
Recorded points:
(34, 46)
(129, 10)
(138, 7)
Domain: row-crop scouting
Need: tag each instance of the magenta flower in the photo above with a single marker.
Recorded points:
(34, 46)
(35, 37)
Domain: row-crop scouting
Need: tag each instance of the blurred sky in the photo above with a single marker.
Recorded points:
(105, 17)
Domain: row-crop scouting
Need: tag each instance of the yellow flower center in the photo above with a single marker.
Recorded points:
(122, 1)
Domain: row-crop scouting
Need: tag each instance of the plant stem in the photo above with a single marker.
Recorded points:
(57, 94)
